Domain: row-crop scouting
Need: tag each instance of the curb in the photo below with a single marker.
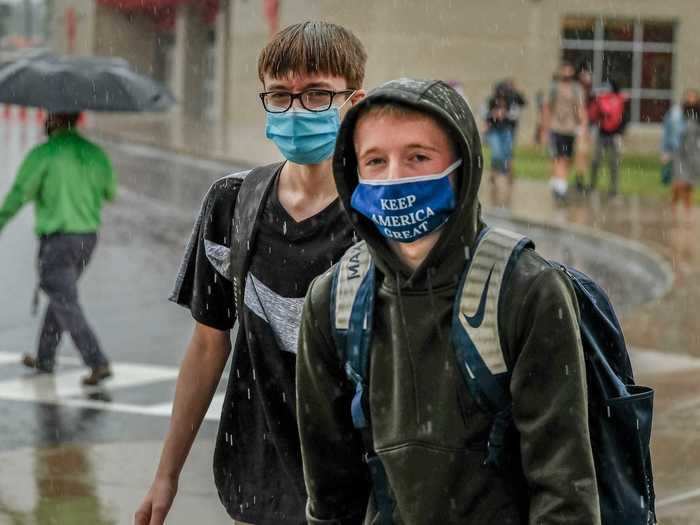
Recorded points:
(643, 250)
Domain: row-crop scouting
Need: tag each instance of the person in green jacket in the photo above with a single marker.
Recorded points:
(429, 433)
(68, 178)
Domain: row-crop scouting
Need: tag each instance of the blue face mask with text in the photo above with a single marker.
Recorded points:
(407, 209)
(304, 137)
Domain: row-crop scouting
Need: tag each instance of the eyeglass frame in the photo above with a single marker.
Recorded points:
(294, 96)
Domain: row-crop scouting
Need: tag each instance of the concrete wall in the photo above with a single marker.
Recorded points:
(85, 26)
(196, 44)
(129, 37)
(475, 43)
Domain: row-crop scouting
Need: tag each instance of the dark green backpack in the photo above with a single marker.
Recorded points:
(620, 412)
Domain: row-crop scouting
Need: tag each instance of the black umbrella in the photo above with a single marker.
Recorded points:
(73, 84)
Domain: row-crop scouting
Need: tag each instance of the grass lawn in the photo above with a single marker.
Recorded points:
(639, 174)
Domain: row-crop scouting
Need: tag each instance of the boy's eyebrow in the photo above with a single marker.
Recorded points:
(418, 145)
(368, 151)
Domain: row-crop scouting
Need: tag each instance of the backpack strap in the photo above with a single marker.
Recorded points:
(250, 203)
(352, 306)
(475, 332)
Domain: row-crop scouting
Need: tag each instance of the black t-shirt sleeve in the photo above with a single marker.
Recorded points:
(203, 283)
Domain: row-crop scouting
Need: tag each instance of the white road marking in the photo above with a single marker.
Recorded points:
(64, 388)
(61, 385)
(164, 409)
(7, 358)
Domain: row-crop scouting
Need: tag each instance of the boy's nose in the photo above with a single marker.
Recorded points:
(393, 170)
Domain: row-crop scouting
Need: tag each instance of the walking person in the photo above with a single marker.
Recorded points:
(394, 434)
(500, 126)
(680, 149)
(564, 119)
(260, 239)
(582, 154)
(610, 117)
(68, 178)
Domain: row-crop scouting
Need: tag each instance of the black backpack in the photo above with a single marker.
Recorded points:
(620, 412)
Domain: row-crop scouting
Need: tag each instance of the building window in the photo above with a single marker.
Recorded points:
(638, 54)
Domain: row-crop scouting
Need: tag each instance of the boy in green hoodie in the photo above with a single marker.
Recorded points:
(413, 146)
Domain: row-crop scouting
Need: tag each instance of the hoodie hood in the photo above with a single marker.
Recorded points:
(445, 262)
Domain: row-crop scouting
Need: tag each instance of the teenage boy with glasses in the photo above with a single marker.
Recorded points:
(311, 73)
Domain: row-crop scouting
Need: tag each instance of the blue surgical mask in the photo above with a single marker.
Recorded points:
(304, 137)
(407, 209)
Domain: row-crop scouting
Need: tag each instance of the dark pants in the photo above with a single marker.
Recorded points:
(62, 259)
(606, 144)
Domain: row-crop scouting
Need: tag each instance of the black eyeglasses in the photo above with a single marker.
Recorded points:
(311, 99)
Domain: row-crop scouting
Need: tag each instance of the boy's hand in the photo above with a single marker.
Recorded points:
(157, 503)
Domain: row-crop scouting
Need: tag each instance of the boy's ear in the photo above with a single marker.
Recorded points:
(357, 96)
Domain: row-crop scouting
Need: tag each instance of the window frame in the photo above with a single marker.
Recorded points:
(637, 46)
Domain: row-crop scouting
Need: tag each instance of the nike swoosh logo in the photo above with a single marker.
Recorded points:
(478, 318)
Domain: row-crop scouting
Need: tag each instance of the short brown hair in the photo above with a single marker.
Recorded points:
(313, 48)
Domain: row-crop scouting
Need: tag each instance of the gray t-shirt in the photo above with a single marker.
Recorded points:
(565, 103)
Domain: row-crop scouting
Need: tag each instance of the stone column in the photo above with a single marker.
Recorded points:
(221, 38)
(179, 58)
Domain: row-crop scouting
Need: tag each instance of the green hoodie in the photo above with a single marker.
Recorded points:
(428, 431)
(68, 178)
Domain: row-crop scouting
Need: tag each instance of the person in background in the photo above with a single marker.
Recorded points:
(680, 148)
(516, 102)
(539, 107)
(500, 124)
(68, 178)
(610, 116)
(564, 119)
(583, 147)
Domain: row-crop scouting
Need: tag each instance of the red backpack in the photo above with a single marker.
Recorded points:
(611, 111)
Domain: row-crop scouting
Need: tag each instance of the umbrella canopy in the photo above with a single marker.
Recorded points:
(73, 84)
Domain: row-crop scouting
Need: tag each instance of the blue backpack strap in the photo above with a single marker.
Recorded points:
(475, 333)
(352, 306)
(348, 276)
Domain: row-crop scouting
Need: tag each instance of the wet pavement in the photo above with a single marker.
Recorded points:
(663, 332)
(70, 455)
